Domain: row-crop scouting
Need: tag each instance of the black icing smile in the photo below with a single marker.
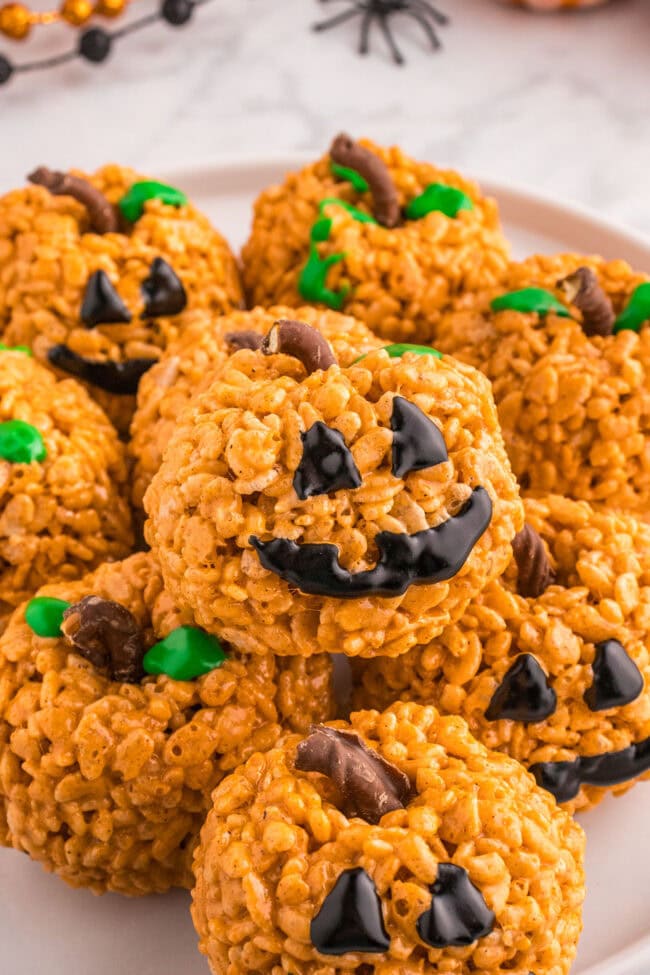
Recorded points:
(424, 558)
(564, 779)
(119, 378)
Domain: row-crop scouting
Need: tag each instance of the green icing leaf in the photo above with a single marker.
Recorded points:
(186, 653)
(44, 615)
(530, 300)
(440, 197)
(15, 348)
(637, 311)
(133, 201)
(321, 230)
(358, 215)
(350, 176)
(312, 281)
(21, 443)
(397, 351)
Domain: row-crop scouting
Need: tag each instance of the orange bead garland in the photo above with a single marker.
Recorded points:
(17, 20)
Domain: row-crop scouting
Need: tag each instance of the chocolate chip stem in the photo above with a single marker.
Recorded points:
(535, 571)
(583, 290)
(300, 341)
(246, 339)
(102, 214)
(346, 152)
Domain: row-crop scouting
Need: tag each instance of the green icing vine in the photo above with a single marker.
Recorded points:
(439, 197)
(637, 311)
(530, 300)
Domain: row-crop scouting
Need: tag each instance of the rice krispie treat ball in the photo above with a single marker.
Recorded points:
(369, 230)
(304, 507)
(392, 844)
(100, 273)
(551, 663)
(566, 344)
(117, 720)
(190, 364)
(63, 477)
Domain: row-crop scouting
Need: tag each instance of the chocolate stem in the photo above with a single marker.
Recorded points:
(583, 290)
(535, 571)
(346, 152)
(108, 635)
(300, 341)
(246, 339)
(102, 214)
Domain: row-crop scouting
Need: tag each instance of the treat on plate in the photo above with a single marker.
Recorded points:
(101, 272)
(366, 229)
(304, 507)
(395, 843)
(566, 344)
(117, 720)
(551, 663)
(64, 477)
(190, 363)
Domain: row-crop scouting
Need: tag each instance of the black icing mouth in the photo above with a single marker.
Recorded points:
(564, 779)
(119, 378)
(430, 556)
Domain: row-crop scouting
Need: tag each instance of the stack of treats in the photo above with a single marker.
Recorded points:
(414, 464)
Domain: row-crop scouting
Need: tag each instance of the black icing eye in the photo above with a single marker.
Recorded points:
(326, 464)
(101, 304)
(458, 915)
(524, 693)
(163, 291)
(350, 917)
(417, 441)
(617, 679)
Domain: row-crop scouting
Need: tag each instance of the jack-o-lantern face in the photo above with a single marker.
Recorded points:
(393, 843)
(550, 664)
(102, 272)
(349, 510)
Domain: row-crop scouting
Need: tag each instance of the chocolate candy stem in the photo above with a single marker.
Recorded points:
(346, 152)
(535, 571)
(583, 290)
(300, 341)
(102, 215)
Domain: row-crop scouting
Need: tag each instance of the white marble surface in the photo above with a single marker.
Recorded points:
(559, 102)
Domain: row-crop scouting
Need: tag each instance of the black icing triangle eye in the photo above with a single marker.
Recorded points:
(524, 693)
(350, 917)
(326, 464)
(101, 304)
(417, 441)
(617, 679)
(163, 291)
(458, 915)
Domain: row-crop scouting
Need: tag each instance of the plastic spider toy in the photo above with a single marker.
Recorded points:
(381, 10)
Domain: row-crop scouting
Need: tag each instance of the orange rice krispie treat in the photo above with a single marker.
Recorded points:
(551, 663)
(371, 231)
(303, 507)
(63, 477)
(189, 364)
(392, 844)
(99, 273)
(566, 344)
(117, 720)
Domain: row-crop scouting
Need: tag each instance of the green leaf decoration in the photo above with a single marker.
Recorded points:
(185, 654)
(439, 197)
(397, 350)
(132, 203)
(530, 301)
(637, 311)
(15, 348)
(350, 176)
(44, 615)
(21, 443)
(359, 215)
(312, 283)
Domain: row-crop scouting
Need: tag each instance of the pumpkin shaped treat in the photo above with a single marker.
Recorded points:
(551, 662)
(303, 507)
(566, 344)
(374, 233)
(190, 363)
(393, 844)
(117, 719)
(63, 476)
(101, 272)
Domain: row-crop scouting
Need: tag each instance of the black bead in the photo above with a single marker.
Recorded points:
(6, 70)
(617, 679)
(177, 12)
(101, 304)
(326, 464)
(458, 915)
(524, 693)
(417, 441)
(95, 45)
(163, 291)
(350, 917)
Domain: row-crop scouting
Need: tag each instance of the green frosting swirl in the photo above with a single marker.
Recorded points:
(350, 176)
(132, 203)
(439, 197)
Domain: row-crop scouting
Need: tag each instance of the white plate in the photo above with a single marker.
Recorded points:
(47, 928)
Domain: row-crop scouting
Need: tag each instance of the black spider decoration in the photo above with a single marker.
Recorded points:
(381, 10)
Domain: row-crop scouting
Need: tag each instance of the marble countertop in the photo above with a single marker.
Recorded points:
(558, 102)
